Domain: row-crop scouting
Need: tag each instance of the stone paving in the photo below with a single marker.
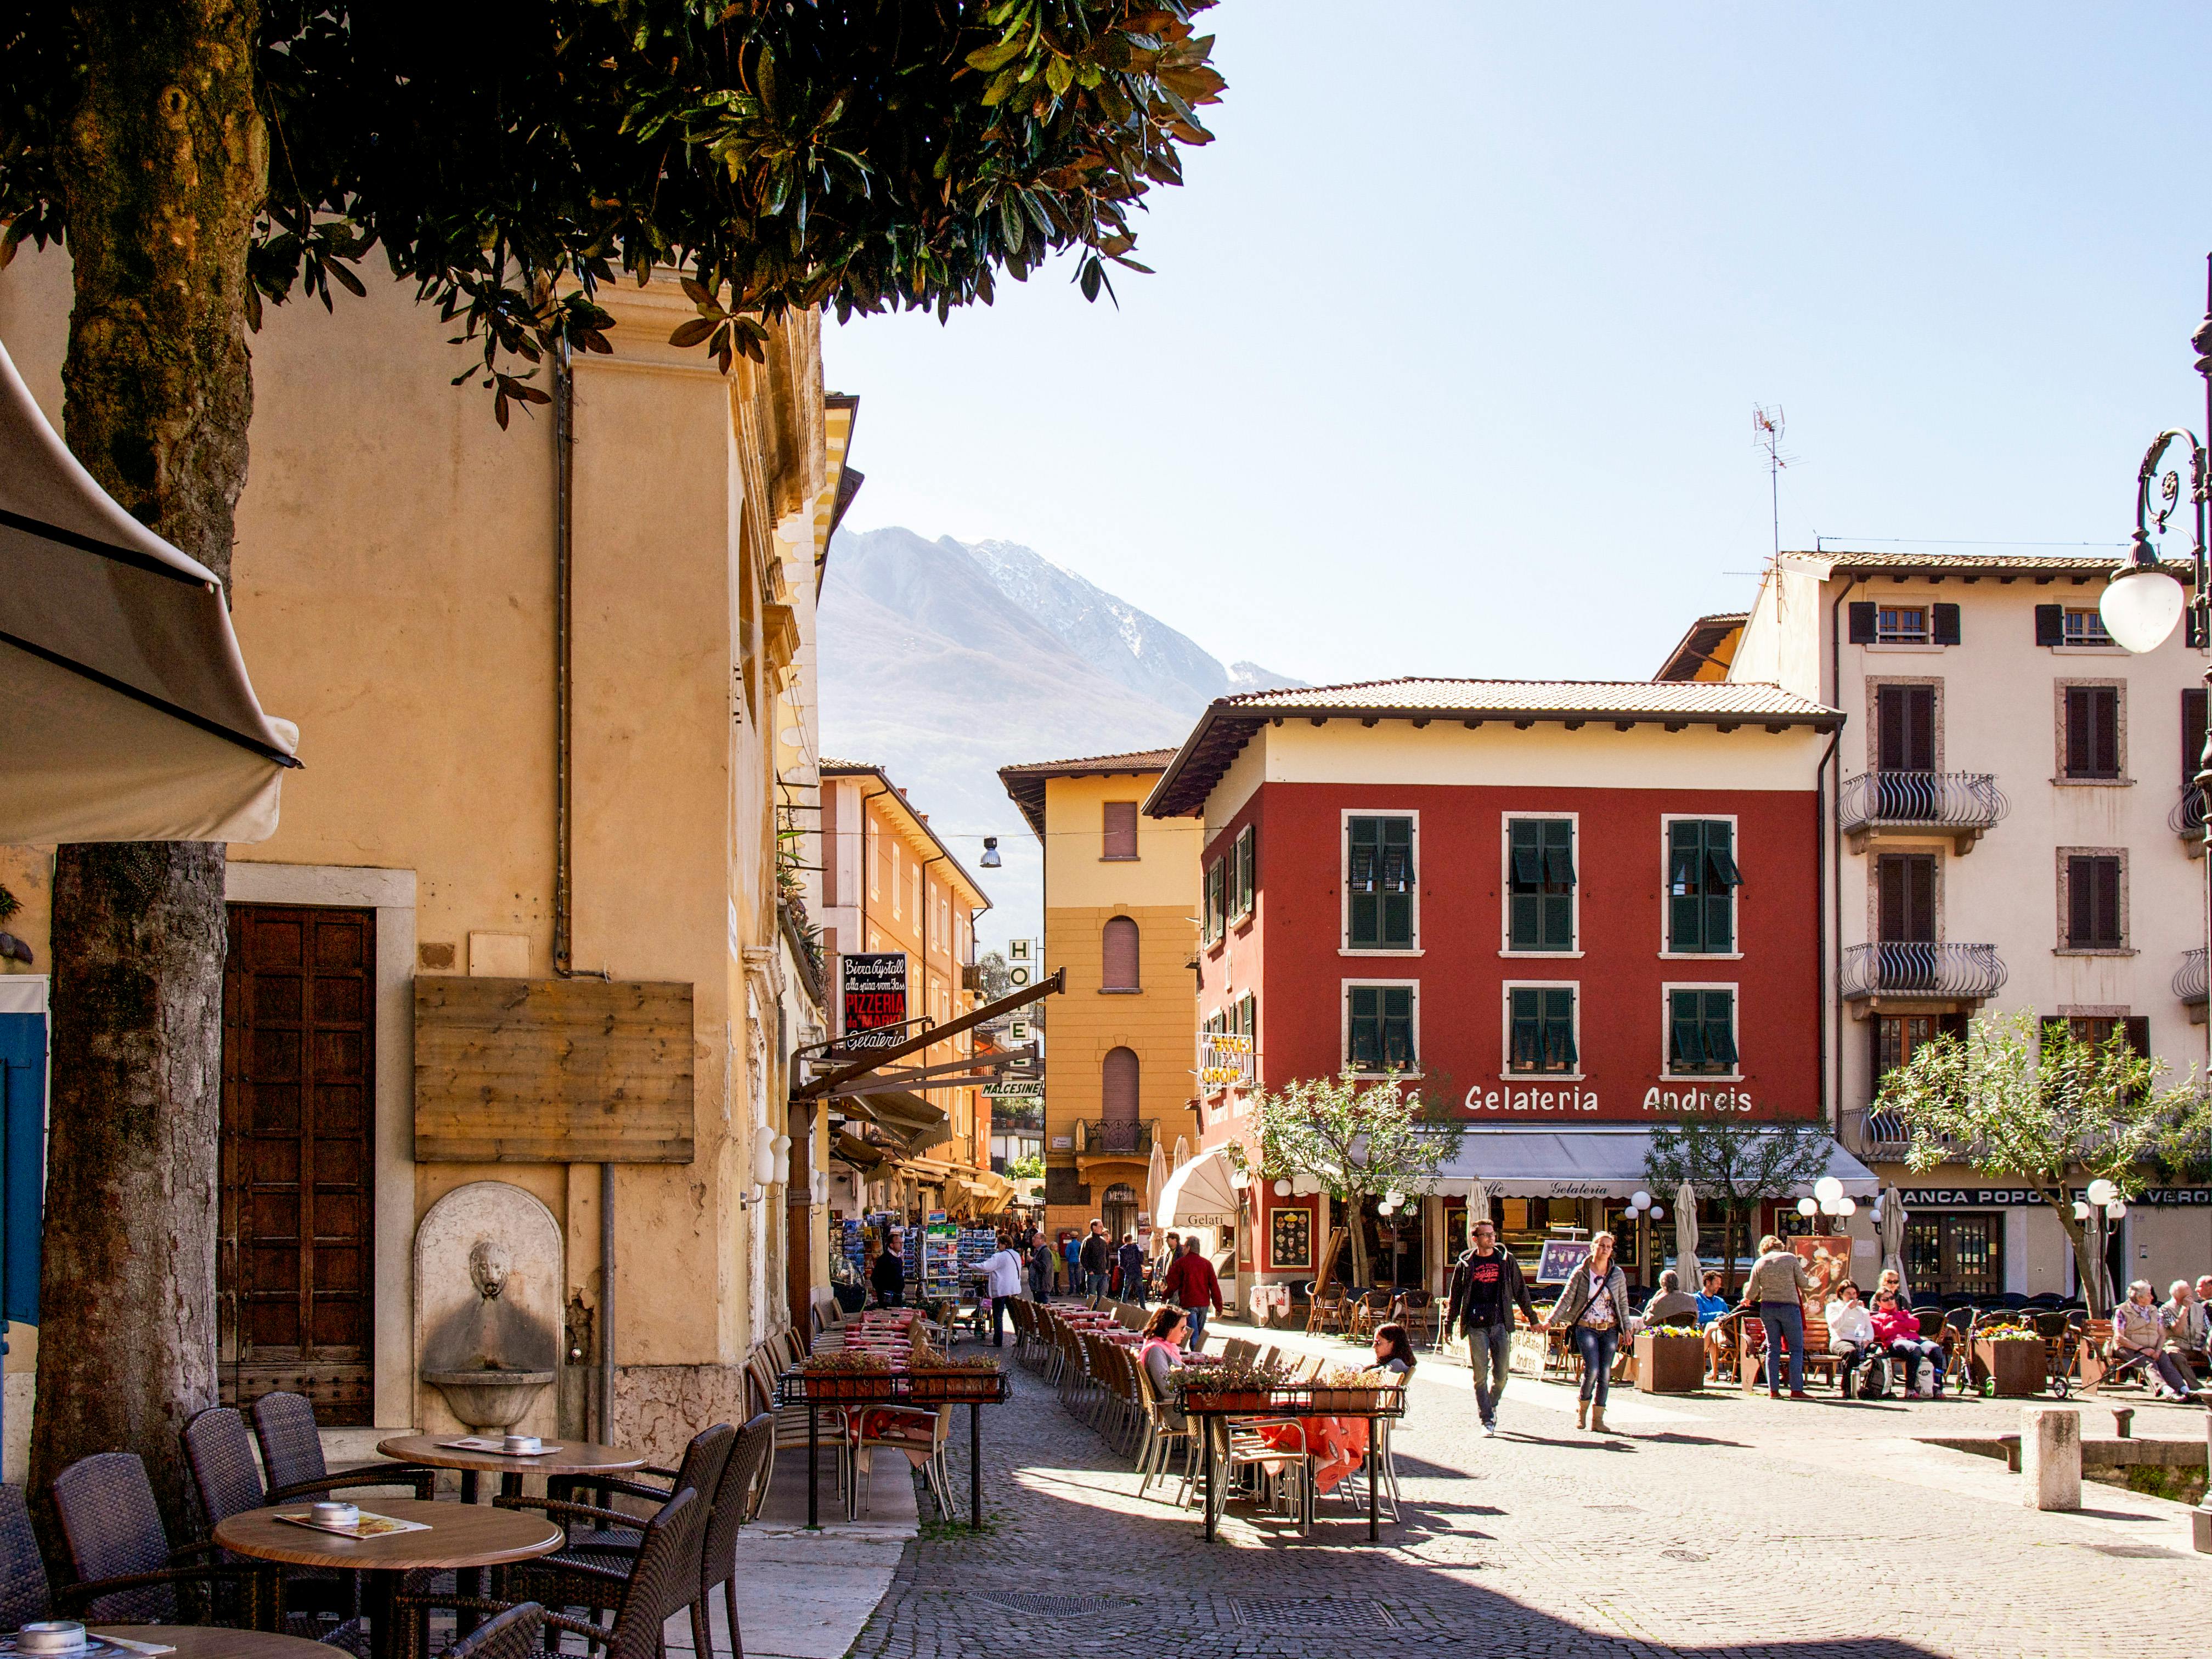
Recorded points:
(1716, 1525)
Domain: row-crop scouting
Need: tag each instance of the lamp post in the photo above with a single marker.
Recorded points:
(2142, 601)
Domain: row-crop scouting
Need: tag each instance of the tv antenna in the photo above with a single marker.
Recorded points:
(1767, 426)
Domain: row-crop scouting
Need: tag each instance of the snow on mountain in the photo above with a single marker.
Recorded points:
(1245, 676)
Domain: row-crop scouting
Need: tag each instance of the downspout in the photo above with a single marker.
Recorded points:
(1831, 836)
(564, 481)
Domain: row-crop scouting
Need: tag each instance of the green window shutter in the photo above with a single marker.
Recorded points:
(1397, 854)
(1214, 892)
(1686, 866)
(1526, 862)
(1720, 1029)
(1686, 1048)
(1398, 921)
(1559, 852)
(1246, 868)
(1525, 918)
(1722, 881)
(1558, 932)
(1527, 1030)
(1398, 1026)
(1560, 1051)
(1366, 1029)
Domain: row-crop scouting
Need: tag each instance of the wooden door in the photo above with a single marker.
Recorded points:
(294, 1268)
(1904, 718)
(1907, 899)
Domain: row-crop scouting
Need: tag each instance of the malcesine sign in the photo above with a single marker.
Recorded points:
(1669, 1102)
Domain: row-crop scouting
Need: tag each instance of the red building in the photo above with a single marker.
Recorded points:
(1575, 909)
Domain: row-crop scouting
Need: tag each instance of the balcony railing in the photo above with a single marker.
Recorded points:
(2187, 818)
(1959, 804)
(1876, 1135)
(1116, 1138)
(2191, 979)
(1914, 969)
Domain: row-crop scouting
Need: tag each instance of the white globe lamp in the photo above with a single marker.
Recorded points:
(1239, 1180)
(2102, 1191)
(2080, 1211)
(1394, 1198)
(1827, 1190)
(2142, 601)
(1847, 1206)
(1807, 1207)
(1658, 1212)
(2115, 1211)
(1282, 1189)
(1640, 1200)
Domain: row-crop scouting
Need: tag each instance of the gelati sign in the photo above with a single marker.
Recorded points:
(874, 986)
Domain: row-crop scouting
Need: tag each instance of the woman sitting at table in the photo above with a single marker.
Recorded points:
(1394, 1350)
(1162, 1356)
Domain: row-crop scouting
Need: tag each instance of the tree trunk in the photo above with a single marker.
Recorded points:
(162, 169)
(1355, 1224)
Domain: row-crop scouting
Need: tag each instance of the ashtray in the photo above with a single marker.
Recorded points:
(334, 1515)
(50, 1636)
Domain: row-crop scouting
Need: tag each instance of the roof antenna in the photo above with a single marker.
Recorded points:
(1767, 426)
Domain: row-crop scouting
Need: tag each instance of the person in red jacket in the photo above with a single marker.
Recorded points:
(1191, 1286)
(1898, 1330)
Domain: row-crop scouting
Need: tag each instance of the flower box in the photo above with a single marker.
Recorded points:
(2011, 1367)
(847, 1388)
(1352, 1401)
(972, 1383)
(1226, 1399)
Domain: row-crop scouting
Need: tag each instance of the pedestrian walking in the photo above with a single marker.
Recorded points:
(1486, 1285)
(1192, 1286)
(1071, 1248)
(1775, 1292)
(887, 1276)
(1001, 1274)
(1594, 1307)
(1131, 1260)
(1042, 1262)
(1097, 1258)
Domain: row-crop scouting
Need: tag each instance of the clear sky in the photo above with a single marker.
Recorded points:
(1450, 364)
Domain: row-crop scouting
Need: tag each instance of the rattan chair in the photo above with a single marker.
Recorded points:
(25, 1594)
(608, 1539)
(292, 1456)
(642, 1600)
(219, 1452)
(127, 1572)
(514, 1634)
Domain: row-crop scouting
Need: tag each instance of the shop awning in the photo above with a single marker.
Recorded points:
(1198, 1195)
(929, 1171)
(857, 1152)
(1592, 1163)
(909, 1119)
(128, 710)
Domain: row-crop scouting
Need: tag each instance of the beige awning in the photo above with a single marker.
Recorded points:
(907, 1118)
(128, 713)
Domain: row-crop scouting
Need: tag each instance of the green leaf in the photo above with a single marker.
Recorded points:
(690, 333)
(996, 57)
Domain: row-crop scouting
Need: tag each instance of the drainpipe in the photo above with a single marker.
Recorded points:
(1830, 837)
(564, 475)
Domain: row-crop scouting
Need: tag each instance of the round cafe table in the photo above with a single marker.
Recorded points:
(214, 1642)
(574, 1457)
(461, 1536)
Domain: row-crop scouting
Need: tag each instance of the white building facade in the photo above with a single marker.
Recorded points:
(2010, 825)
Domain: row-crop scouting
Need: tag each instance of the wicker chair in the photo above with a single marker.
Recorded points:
(658, 1584)
(733, 1507)
(25, 1594)
(613, 1541)
(127, 1573)
(292, 1455)
(219, 1450)
(514, 1634)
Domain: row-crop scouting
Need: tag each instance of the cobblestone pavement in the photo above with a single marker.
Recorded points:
(1716, 1525)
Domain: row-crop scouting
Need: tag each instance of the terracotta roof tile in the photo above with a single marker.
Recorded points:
(1026, 783)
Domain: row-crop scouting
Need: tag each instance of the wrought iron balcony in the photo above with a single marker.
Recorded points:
(1961, 804)
(1905, 971)
(2187, 819)
(1876, 1136)
(1115, 1138)
(2191, 979)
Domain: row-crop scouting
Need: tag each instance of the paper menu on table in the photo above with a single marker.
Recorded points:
(365, 1526)
(477, 1443)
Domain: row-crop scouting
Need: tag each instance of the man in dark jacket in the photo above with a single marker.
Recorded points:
(1192, 1286)
(1097, 1257)
(1486, 1285)
(888, 1278)
(1130, 1258)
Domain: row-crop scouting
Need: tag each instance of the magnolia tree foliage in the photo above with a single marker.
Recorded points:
(514, 155)
(1737, 1166)
(1359, 1137)
(2046, 1110)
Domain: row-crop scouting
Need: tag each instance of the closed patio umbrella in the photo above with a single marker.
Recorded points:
(1156, 1175)
(1686, 1237)
(1893, 1239)
(128, 712)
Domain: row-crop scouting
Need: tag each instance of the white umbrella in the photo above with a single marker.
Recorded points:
(1892, 1242)
(1156, 1175)
(1686, 1237)
(128, 710)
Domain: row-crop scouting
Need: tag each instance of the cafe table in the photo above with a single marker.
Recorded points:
(461, 1536)
(215, 1642)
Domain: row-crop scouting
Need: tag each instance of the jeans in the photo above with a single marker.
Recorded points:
(1197, 1328)
(998, 1320)
(1598, 1348)
(1784, 1319)
(1133, 1288)
(1097, 1282)
(1487, 1349)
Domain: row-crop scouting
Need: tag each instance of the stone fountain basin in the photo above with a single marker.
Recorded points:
(488, 1399)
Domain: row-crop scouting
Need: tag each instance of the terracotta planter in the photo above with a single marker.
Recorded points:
(1354, 1402)
(844, 1386)
(2016, 1367)
(1230, 1399)
(956, 1385)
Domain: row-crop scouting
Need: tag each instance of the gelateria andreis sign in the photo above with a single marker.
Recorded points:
(1662, 1101)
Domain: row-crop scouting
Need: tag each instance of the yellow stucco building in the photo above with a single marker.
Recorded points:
(554, 687)
(1120, 915)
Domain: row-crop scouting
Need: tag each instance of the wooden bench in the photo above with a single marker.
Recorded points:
(1818, 1359)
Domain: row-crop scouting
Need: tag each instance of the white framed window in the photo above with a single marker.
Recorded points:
(1699, 882)
(2085, 627)
(1697, 1033)
(1538, 874)
(1540, 1029)
(1380, 850)
(1382, 1026)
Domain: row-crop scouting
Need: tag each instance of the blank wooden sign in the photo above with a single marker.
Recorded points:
(552, 1071)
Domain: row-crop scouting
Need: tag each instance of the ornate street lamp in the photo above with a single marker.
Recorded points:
(2142, 601)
